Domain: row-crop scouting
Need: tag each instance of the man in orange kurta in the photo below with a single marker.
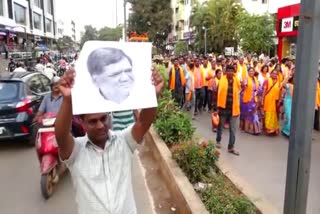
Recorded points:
(317, 107)
(228, 104)
(177, 82)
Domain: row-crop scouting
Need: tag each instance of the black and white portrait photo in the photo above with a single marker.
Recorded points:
(113, 76)
(111, 72)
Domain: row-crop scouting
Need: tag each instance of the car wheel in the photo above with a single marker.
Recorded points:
(32, 139)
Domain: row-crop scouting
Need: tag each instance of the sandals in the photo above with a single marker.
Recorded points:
(234, 152)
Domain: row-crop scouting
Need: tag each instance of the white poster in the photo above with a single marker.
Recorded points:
(287, 24)
(113, 76)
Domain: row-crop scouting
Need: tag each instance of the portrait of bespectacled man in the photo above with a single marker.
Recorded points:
(111, 71)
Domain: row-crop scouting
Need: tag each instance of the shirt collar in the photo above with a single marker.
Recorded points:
(111, 138)
(52, 98)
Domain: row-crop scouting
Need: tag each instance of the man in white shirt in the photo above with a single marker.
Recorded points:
(49, 71)
(39, 66)
(20, 67)
(100, 162)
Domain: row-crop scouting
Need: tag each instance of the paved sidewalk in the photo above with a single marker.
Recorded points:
(263, 163)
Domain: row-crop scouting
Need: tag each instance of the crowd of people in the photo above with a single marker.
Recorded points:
(259, 90)
(49, 66)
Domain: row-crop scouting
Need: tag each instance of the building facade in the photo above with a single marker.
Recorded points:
(27, 24)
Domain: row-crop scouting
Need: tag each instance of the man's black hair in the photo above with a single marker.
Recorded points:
(102, 57)
(230, 67)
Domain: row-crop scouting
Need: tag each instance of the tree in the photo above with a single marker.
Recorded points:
(181, 48)
(220, 18)
(255, 32)
(110, 34)
(90, 33)
(153, 17)
(65, 43)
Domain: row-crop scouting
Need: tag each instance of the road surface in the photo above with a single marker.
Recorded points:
(263, 163)
(20, 185)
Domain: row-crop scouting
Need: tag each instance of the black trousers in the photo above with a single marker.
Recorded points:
(199, 99)
(205, 101)
(316, 120)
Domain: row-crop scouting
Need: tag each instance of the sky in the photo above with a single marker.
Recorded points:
(98, 13)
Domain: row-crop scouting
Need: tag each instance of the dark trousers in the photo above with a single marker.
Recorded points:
(199, 99)
(232, 129)
(205, 101)
(210, 99)
(316, 120)
(177, 95)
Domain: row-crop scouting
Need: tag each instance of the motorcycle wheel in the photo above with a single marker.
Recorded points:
(46, 185)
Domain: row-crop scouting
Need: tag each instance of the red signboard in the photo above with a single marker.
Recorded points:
(288, 20)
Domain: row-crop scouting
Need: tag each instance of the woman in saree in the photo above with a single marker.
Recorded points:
(249, 119)
(270, 103)
(287, 91)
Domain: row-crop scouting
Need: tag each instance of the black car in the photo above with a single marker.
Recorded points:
(21, 94)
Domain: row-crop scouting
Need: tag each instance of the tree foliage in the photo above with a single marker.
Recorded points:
(110, 34)
(153, 17)
(256, 32)
(220, 18)
(90, 33)
(64, 43)
(181, 48)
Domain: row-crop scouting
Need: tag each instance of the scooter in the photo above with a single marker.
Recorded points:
(51, 167)
(48, 154)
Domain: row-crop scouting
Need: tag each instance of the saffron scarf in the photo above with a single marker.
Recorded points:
(243, 69)
(223, 93)
(248, 92)
(173, 78)
(273, 93)
(318, 95)
(196, 78)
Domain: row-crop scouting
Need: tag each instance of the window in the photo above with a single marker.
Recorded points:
(35, 85)
(49, 7)
(37, 3)
(8, 91)
(20, 14)
(1, 8)
(37, 21)
(46, 83)
(48, 25)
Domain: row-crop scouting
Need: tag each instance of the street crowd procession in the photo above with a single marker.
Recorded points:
(257, 90)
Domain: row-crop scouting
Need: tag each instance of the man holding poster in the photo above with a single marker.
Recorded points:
(100, 162)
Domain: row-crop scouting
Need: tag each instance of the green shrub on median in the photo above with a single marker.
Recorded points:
(195, 159)
(222, 197)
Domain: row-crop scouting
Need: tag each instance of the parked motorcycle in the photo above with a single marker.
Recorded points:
(51, 167)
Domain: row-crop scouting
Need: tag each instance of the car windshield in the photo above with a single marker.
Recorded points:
(8, 90)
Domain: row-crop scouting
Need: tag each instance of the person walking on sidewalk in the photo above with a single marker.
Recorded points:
(228, 103)
(177, 82)
(100, 162)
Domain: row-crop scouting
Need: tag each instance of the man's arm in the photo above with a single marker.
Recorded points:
(62, 128)
(142, 125)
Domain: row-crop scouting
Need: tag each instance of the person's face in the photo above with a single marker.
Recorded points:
(205, 62)
(176, 63)
(251, 72)
(181, 61)
(241, 60)
(55, 88)
(274, 74)
(265, 69)
(255, 64)
(219, 74)
(197, 62)
(230, 73)
(278, 68)
(97, 127)
(116, 81)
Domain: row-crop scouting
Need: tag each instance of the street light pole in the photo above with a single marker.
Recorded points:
(125, 19)
(205, 40)
(298, 169)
